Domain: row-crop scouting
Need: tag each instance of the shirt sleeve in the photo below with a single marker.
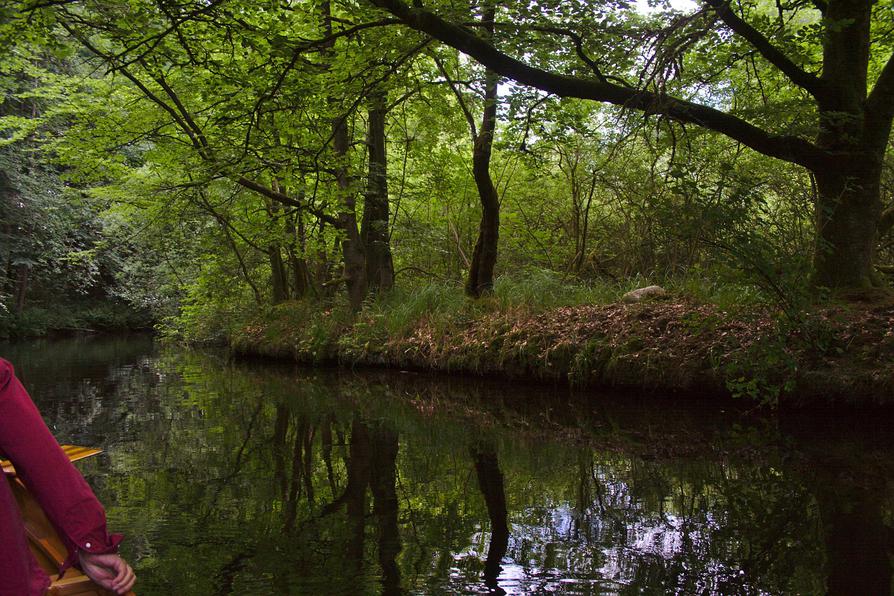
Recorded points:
(60, 489)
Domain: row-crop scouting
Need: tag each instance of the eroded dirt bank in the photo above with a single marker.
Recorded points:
(841, 355)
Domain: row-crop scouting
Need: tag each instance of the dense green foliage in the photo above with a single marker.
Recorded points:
(207, 160)
(64, 259)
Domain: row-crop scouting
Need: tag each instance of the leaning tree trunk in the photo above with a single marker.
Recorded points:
(490, 481)
(374, 233)
(484, 257)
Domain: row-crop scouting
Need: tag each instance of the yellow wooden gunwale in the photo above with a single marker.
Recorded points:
(47, 547)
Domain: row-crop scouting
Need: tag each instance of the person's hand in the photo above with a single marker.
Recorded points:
(109, 571)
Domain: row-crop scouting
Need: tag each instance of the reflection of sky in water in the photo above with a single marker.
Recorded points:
(559, 551)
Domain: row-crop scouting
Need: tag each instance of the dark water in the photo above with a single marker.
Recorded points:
(248, 478)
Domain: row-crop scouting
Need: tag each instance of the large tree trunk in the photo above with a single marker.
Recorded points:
(379, 265)
(847, 214)
(848, 202)
(484, 257)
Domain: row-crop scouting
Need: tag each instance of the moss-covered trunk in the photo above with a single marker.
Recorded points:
(854, 130)
(374, 232)
(847, 214)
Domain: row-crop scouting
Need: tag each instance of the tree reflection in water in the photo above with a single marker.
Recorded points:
(248, 479)
(490, 481)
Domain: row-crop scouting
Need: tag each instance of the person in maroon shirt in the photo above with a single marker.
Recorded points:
(63, 493)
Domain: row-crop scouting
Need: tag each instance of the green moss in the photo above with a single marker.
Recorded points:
(589, 362)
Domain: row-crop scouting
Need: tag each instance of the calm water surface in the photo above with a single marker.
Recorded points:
(247, 478)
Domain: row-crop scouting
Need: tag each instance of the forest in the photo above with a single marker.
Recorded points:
(464, 186)
(646, 247)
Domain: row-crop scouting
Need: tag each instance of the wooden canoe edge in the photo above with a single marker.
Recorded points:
(74, 453)
(47, 547)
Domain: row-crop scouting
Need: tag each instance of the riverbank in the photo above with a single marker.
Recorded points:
(837, 354)
(70, 318)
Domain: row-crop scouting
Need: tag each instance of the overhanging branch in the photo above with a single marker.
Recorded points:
(286, 200)
(184, 121)
(459, 97)
(771, 53)
(789, 148)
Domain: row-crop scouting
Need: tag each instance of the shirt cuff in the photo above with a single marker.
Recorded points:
(91, 544)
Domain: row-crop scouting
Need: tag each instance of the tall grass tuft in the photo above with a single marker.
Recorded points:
(402, 309)
(540, 289)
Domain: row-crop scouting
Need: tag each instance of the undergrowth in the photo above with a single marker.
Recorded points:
(38, 321)
(705, 336)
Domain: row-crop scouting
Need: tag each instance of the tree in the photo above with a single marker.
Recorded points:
(49, 231)
(480, 278)
(484, 256)
(232, 93)
(827, 54)
(374, 232)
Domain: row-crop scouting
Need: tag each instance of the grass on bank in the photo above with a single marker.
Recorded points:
(438, 303)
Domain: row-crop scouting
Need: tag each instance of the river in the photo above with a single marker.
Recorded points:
(257, 478)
